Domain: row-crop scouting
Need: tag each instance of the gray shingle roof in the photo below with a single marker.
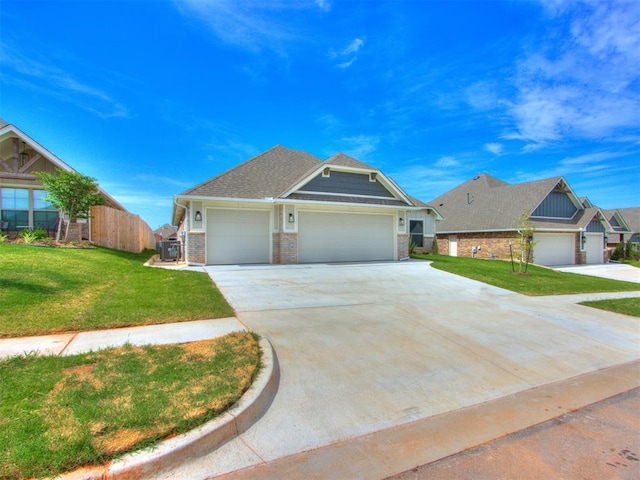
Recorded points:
(631, 217)
(275, 172)
(340, 159)
(266, 175)
(486, 203)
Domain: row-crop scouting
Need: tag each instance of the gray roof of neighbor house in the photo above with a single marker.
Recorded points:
(631, 217)
(485, 203)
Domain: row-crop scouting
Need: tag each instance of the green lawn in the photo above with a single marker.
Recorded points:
(537, 281)
(627, 306)
(59, 413)
(45, 290)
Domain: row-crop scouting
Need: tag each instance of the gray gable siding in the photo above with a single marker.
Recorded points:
(556, 205)
(346, 183)
(595, 226)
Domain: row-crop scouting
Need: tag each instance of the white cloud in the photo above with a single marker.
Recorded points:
(495, 148)
(360, 146)
(586, 84)
(446, 162)
(44, 76)
(254, 25)
(347, 55)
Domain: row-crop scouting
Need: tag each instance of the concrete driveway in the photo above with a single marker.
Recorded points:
(366, 348)
(612, 271)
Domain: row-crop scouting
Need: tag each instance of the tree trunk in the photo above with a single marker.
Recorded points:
(59, 230)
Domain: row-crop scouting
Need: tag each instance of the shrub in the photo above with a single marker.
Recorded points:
(27, 236)
(618, 252)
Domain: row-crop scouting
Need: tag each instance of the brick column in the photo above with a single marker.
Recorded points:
(196, 250)
(403, 245)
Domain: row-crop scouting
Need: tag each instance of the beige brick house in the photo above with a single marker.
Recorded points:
(287, 206)
(480, 220)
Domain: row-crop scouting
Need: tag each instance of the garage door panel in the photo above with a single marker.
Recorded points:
(336, 237)
(594, 247)
(238, 236)
(554, 249)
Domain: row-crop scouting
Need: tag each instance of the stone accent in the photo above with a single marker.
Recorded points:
(581, 257)
(285, 248)
(403, 245)
(492, 244)
(196, 252)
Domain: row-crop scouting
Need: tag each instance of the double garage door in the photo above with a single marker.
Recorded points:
(345, 237)
(244, 236)
(560, 248)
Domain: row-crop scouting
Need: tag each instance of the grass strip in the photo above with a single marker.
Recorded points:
(626, 306)
(537, 280)
(49, 290)
(60, 413)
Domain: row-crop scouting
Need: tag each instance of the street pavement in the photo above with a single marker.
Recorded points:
(600, 441)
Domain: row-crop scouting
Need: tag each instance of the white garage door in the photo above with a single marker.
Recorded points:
(594, 245)
(554, 249)
(237, 236)
(345, 237)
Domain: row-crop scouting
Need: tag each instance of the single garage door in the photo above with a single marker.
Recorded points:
(594, 247)
(554, 249)
(237, 236)
(345, 237)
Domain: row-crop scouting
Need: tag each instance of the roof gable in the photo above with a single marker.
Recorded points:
(631, 217)
(265, 175)
(485, 203)
(38, 159)
(340, 159)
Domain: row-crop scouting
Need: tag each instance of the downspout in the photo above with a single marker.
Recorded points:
(186, 225)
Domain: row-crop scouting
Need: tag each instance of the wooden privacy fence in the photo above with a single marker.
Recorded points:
(120, 230)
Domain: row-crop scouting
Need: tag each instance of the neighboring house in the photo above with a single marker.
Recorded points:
(22, 197)
(480, 219)
(621, 229)
(165, 232)
(631, 217)
(287, 206)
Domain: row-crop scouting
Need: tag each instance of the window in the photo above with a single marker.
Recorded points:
(14, 203)
(45, 215)
(22, 208)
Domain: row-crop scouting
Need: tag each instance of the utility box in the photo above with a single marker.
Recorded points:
(170, 250)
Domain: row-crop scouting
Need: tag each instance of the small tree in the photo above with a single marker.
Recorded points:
(524, 247)
(72, 193)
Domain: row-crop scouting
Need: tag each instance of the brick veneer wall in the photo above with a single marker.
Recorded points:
(285, 248)
(403, 245)
(492, 244)
(496, 243)
(196, 253)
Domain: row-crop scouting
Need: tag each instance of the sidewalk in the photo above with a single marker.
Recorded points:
(81, 342)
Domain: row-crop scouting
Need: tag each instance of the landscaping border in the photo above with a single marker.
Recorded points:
(171, 452)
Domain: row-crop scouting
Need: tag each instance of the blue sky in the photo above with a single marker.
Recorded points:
(153, 97)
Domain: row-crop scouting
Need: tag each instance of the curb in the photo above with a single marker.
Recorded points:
(174, 451)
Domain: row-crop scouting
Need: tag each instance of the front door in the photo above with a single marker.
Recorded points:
(416, 228)
(453, 246)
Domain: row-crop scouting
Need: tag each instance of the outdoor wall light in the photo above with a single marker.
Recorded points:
(292, 219)
(24, 156)
(198, 216)
(401, 222)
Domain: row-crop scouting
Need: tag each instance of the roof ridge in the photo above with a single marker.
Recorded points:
(250, 159)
